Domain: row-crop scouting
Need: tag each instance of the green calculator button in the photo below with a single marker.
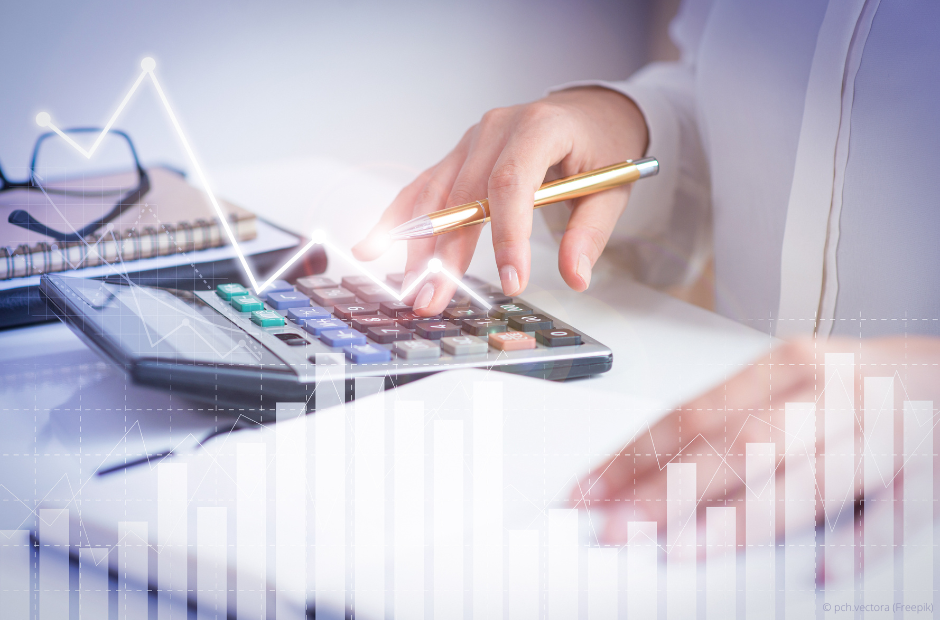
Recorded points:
(247, 303)
(227, 291)
(267, 318)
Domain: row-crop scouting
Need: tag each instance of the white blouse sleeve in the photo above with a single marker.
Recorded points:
(665, 234)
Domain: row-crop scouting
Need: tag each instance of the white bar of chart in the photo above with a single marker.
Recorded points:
(680, 540)
(720, 563)
(133, 548)
(759, 526)
(839, 488)
(448, 519)
(563, 564)
(602, 583)
(212, 562)
(251, 528)
(918, 502)
(487, 500)
(642, 570)
(172, 539)
(800, 560)
(53, 563)
(369, 552)
(330, 492)
(291, 515)
(92, 583)
(15, 591)
(878, 527)
(522, 573)
(409, 509)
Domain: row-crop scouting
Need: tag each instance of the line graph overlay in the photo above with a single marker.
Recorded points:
(43, 119)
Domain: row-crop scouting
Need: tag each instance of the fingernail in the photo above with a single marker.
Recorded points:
(423, 300)
(509, 279)
(584, 269)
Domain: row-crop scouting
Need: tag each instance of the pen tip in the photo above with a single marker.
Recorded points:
(413, 229)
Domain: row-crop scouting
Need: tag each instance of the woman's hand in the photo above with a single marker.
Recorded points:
(713, 430)
(505, 158)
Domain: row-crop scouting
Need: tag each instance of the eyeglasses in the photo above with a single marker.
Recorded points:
(127, 199)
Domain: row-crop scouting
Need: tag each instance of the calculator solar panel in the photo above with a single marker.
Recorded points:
(247, 351)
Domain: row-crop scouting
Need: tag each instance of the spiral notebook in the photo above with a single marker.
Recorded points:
(173, 217)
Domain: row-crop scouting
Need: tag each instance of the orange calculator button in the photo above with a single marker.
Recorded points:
(512, 341)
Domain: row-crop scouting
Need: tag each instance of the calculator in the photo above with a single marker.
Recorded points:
(244, 352)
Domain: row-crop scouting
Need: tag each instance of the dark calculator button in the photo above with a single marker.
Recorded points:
(373, 294)
(331, 296)
(292, 340)
(464, 314)
(389, 334)
(309, 283)
(484, 327)
(530, 322)
(493, 298)
(395, 280)
(435, 330)
(508, 309)
(558, 337)
(363, 323)
(348, 311)
(474, 282)
(354, 283)
(394, 308)
(410, 319)
(460, 298)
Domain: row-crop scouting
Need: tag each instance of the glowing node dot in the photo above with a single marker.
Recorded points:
(148, 64)
(185, 322)
(435, 265)
(241, 343)
(318, 236)
(110, 226)
(42, 119)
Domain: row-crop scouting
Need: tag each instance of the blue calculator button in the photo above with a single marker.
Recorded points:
(367, 354)
(342, 337)
(300, 315)
(288, 299)
(318, 326)
(278, 286)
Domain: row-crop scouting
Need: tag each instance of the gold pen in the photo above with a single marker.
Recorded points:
(591, 182)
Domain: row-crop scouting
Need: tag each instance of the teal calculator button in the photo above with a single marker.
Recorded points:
(247, 303)
(227, 291)
(267, 318)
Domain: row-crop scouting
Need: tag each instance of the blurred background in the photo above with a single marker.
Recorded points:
(384, 85)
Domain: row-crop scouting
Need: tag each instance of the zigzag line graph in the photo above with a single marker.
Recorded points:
(43, 119)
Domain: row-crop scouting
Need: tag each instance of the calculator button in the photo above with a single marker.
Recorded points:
(492, 299)
(484, 327)
(464, 345)
(417, 349)
(463, 314)
(267, 318)
(348, 311)
(341, 337)
(227, 291)
(460, 298)
(363, 323)
(512, 341)
(393, 308)
(331, 296)
(354, 283)
(308, 284)
(367, 354)
(410, 319)
(318, 326)
(558, 337)
(474, 282)
(508, 309)
(389, 334)
(530, 322)
(395, 280)
(435, 330)
(278, 286)
(247, 303)
(288, 300)
(292, 340)
(300, 315)
(373, 294)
